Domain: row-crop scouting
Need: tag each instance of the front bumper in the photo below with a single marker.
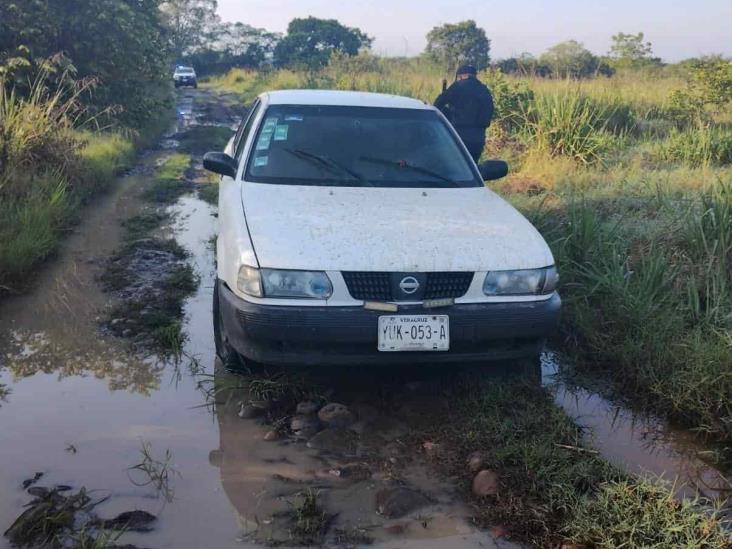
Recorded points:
(287, 335)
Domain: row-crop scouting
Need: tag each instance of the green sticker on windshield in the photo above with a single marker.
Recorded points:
(280, 133)
(270, 123)
(263, 142)
(260, 161)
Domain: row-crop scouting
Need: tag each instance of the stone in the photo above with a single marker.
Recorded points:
(306, 408)
(475, 462)
(353, 472)
(398, 501)
(269, 436)
(335, 415)
(134, 521)
(304, 426)
(247, 411)
(485, 483)
(431, 448)
(335, 441)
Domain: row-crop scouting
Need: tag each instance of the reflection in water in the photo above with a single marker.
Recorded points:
(640, 444)
(25, 354)
(262, 479)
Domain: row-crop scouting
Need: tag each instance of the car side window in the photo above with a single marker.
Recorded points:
(242, 138)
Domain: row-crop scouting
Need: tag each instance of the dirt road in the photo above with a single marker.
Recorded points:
(81, 405)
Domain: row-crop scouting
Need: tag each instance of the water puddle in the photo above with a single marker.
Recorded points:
(641, 445)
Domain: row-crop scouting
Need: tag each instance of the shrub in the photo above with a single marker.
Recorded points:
(698, 146)
(568, 123)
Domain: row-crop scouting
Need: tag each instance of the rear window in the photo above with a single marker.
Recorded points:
(184, 70)
(357, 147)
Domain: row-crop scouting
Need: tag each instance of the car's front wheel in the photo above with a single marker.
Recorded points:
(224, 350)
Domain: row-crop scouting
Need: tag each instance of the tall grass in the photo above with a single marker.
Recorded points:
(47, 166)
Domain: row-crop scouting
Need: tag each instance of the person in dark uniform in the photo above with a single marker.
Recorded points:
(468, 105)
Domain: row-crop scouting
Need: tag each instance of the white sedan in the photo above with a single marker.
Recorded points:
(354, 228)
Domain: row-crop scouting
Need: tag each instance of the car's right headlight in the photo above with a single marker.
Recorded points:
(284, 283)
(521, 282)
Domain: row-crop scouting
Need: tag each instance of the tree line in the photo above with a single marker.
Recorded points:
(124, 50)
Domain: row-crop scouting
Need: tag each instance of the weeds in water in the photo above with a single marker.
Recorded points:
(311, 522)
(154, 472)
(209, 193)
(201, 139)
(552, 487)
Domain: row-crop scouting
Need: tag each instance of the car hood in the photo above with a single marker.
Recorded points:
(386, 229)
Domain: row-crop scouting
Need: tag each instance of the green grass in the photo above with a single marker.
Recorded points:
(553, 488)
(48, 170)
(170, 181)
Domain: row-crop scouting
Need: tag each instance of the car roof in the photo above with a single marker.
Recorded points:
(342, 98)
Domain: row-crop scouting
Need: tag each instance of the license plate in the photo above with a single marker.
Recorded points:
(414, 333)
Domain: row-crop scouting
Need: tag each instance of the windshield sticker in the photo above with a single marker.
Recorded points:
(263, 143)
(260, 161)
(270, 123)
(280, 133)
(293, 118)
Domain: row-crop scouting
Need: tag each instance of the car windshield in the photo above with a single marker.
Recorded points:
(357, 147)
(184, 70)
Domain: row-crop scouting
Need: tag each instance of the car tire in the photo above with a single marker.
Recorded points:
(224, 350)
(195, 86)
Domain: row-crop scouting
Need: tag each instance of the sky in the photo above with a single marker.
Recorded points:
(678, 29)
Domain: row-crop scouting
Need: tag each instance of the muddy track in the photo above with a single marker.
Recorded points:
(244, 465)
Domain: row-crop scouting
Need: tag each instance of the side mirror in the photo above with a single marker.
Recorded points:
(220, 163)
(493, 169)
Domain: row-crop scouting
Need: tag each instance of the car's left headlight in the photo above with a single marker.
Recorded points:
(522, 282)
(296, 284)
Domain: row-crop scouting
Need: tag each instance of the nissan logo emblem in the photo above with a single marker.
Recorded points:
(409, 285)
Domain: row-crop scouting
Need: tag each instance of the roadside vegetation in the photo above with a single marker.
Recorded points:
(630, 180)
(551, 488)
(74, 109)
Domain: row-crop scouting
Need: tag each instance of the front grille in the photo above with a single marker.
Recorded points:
(443, 285)
(368, 286)
(383, 286)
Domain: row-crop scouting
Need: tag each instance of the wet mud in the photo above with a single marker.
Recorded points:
(191, 443)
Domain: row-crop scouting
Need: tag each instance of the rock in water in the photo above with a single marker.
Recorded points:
(304, 426)
(475, 462)
(248, 411)
(335, 415)
(399, 501)
(136, 521)
(335, 441)
(485, 483)
(306, 408)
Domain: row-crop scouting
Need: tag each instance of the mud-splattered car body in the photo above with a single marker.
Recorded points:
(354, 228)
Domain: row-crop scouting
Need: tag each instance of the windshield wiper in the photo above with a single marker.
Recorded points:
(405, 165)
(329, 163)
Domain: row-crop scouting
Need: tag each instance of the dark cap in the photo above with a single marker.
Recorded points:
(466, 69)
